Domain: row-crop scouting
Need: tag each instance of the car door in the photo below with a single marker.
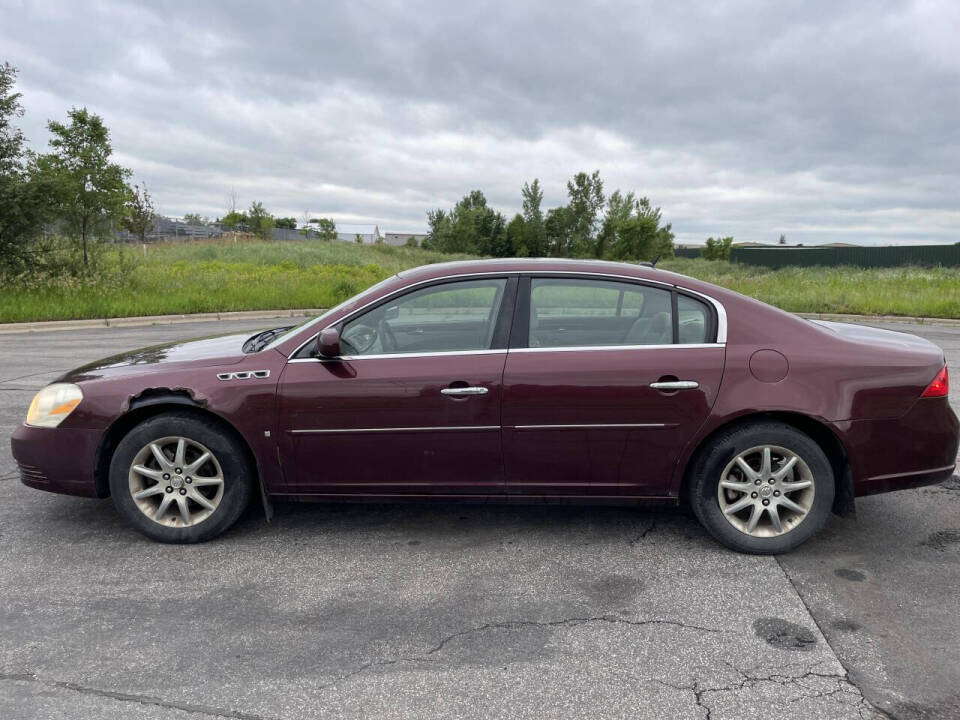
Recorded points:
(605, 382)
(413, 404)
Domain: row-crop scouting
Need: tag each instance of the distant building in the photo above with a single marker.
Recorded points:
(369, 234)
(402, 238)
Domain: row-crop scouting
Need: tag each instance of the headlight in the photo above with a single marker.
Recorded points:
(52, 404)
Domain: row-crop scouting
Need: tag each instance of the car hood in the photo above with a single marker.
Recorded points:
(219, 350)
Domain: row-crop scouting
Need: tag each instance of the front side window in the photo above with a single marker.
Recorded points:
(452, 317)
(581, 313)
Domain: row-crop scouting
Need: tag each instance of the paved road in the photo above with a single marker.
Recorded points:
(467, 611)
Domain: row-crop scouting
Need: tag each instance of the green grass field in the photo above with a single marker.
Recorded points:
(212, 277)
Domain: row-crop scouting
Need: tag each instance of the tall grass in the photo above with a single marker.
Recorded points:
(922, 292)
(223, 276)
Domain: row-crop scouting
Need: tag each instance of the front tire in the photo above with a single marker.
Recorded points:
(180, 478)
(762, 488)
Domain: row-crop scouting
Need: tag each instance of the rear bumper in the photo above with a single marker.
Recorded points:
(904, 481)
(59, 460)
(917, 449)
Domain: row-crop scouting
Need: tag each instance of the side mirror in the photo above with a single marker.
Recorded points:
(328, 343)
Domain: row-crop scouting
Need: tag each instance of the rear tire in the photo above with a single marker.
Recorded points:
(179, 477)
(762, 488)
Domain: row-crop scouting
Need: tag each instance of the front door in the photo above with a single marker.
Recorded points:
(591, 401)
(413, 406)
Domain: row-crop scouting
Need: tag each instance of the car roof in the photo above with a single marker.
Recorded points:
(466, 267)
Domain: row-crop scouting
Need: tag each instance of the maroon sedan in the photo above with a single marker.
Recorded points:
(515, 381)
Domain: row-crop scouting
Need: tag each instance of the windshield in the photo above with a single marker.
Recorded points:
(356, 299)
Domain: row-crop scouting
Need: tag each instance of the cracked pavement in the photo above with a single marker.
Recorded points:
(414, 611)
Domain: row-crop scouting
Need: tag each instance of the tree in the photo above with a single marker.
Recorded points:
(470, 227)
(411, 242)
(90, 189)
(586, 202)
(260, 221)
(558, 227)
(717, 249)
(25, 198)
(192, 218)
(517, 236)
(139, 214)
(285, 223)
(632, 230)
(326, 228)
(234, 220)
(534, 231)
(783, 239)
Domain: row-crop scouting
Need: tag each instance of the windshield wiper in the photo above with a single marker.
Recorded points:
(258, 342)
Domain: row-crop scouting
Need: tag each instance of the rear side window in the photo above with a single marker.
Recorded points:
(574, 312)
(693, 320)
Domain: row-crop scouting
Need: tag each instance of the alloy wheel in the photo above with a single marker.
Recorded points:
(176, 481)
(766, 491)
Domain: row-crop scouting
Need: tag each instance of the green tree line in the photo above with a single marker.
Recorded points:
(76, 185)
(591, 225)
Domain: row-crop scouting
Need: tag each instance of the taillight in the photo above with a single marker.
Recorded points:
(940, 386)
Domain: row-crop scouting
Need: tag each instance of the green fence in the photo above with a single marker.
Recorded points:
(896, 256)
(686, 252)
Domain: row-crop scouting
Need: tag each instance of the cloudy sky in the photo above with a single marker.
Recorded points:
(827, 121)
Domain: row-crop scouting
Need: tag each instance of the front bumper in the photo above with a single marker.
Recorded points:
(917, 449)
(60, 460)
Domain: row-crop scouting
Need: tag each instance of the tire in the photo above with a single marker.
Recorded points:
(727, 511)
(211, 495)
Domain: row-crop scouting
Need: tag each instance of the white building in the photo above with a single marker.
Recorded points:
(368, 234)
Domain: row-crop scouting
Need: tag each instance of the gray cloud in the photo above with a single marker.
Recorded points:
(823, 120)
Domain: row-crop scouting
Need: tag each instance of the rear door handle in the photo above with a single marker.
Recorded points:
(472, 390)
(676, 385)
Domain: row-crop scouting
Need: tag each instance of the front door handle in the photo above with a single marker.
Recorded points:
(472, 390)
(676, 385)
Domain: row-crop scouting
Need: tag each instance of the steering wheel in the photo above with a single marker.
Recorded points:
(387, 337)
(361, 338)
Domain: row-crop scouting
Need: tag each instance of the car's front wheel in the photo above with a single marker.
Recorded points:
(763, 487)
(180, 477)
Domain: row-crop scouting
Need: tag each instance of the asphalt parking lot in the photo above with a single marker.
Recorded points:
(461, 610)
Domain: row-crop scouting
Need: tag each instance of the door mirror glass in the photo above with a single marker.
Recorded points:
(328, 343)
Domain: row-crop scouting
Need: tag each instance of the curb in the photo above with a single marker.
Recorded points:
(143, 320)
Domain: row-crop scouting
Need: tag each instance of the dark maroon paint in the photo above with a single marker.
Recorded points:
(856, 390)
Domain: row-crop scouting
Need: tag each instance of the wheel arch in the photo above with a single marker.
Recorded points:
(147, 406)
(832, 446)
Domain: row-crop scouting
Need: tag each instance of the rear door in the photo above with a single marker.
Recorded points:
(605, 382)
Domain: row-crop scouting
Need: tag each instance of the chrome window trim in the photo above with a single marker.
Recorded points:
(341, 431)
(383, 356)
(571, 348)
(718, 306)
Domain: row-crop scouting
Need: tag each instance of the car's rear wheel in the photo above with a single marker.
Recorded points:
(763, 487)
(180, 477)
